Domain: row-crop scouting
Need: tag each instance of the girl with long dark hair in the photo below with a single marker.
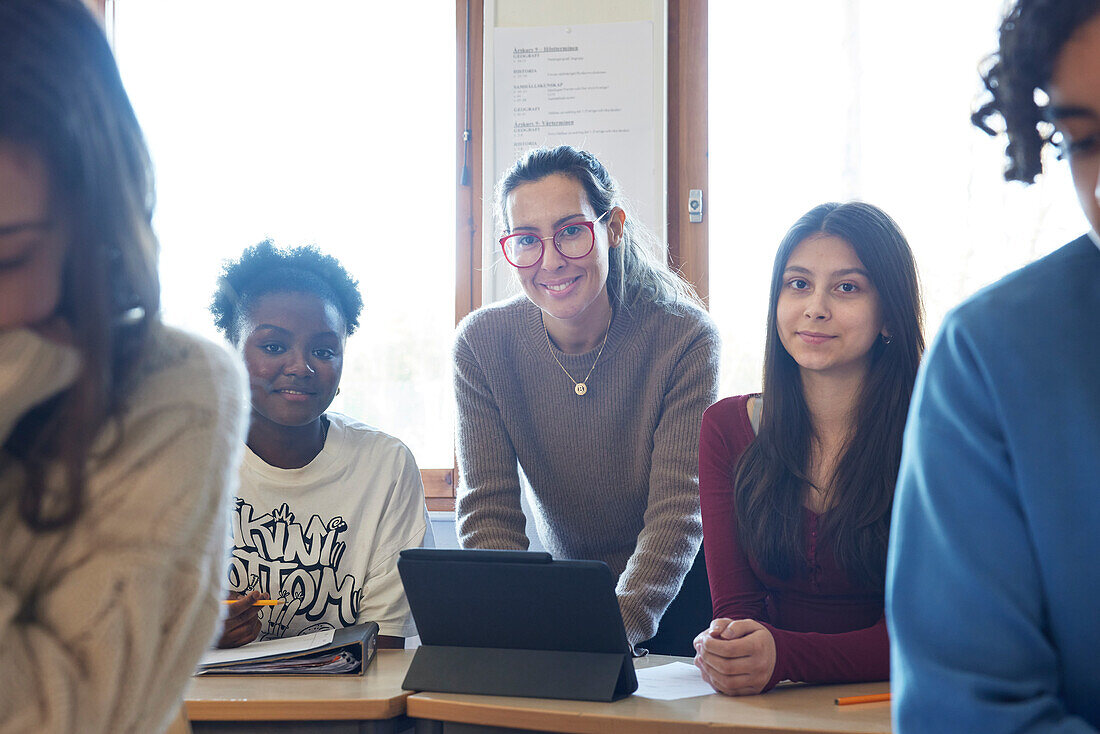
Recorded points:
(593, 380)
(120, 436)
(797, 483)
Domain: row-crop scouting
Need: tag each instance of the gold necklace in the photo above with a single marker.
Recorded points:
(578, 387)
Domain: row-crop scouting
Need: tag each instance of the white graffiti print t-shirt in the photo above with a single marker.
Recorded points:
(324, 539)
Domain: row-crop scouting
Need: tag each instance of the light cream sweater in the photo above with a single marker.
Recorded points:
(101, 623)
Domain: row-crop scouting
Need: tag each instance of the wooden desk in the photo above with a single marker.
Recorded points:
(373, 702)
(786, 710)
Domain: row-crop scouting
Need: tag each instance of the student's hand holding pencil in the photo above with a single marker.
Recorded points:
(242, 620)
(736, 657)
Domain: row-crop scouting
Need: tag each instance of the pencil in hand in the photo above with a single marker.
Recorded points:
(257, 603)
(873, 698)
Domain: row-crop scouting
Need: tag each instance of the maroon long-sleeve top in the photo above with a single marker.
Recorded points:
(826, 629)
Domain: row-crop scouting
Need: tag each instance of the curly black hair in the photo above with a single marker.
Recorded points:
(265, 268)
(1032, 35)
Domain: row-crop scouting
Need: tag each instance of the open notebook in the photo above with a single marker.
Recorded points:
(344, 651)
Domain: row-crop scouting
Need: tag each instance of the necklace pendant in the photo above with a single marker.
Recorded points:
(581, 388)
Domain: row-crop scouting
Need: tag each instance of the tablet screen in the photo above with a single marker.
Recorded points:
(512, 599)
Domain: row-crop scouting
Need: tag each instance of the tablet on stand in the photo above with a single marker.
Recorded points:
(515, 623)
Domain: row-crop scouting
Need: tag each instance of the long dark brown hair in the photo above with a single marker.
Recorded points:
(61, 99)
(772, 473)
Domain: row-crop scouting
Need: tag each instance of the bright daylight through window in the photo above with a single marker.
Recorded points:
(829, 100)
(311, 124)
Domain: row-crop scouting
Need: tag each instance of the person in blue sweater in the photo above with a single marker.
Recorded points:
(993, 575)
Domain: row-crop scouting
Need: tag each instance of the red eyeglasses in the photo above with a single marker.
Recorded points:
(574, 241)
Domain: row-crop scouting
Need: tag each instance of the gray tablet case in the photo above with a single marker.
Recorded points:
(513, 623)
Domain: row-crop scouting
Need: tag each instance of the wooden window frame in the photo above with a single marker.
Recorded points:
(439, 484)
(688, 243)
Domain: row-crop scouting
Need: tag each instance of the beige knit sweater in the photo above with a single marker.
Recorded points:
(613, 474)
(101, 623)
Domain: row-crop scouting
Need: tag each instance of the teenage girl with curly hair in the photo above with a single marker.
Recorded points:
(326, 503)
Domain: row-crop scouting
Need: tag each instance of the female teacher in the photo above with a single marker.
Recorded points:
(592, 382)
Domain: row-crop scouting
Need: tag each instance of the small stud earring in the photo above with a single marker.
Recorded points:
(886, 338)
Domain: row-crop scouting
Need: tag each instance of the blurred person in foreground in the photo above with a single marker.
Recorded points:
(993, 583)
(119, 437)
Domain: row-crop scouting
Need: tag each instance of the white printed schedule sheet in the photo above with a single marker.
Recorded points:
(590, 86)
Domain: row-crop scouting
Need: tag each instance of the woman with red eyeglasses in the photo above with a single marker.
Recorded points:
(592, 382)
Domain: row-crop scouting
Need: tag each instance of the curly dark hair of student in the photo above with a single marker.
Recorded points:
(773, 472)
(265, 268)
(1031, 38)
(62, 99)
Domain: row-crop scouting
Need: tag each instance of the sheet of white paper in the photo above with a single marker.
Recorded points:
(587, 85)
(285, 646)
(670, 682)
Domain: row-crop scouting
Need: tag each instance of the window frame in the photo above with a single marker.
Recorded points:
(686, 160)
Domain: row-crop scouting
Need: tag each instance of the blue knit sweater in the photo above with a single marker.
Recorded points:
(993, 589)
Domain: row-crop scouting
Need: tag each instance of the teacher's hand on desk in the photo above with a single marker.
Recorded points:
(736, 657)
(242, 620)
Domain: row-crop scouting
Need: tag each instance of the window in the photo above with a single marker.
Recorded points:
(839, 99)
(322, 123)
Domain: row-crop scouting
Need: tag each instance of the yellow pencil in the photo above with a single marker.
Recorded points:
(257, 603)
(874, 698)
